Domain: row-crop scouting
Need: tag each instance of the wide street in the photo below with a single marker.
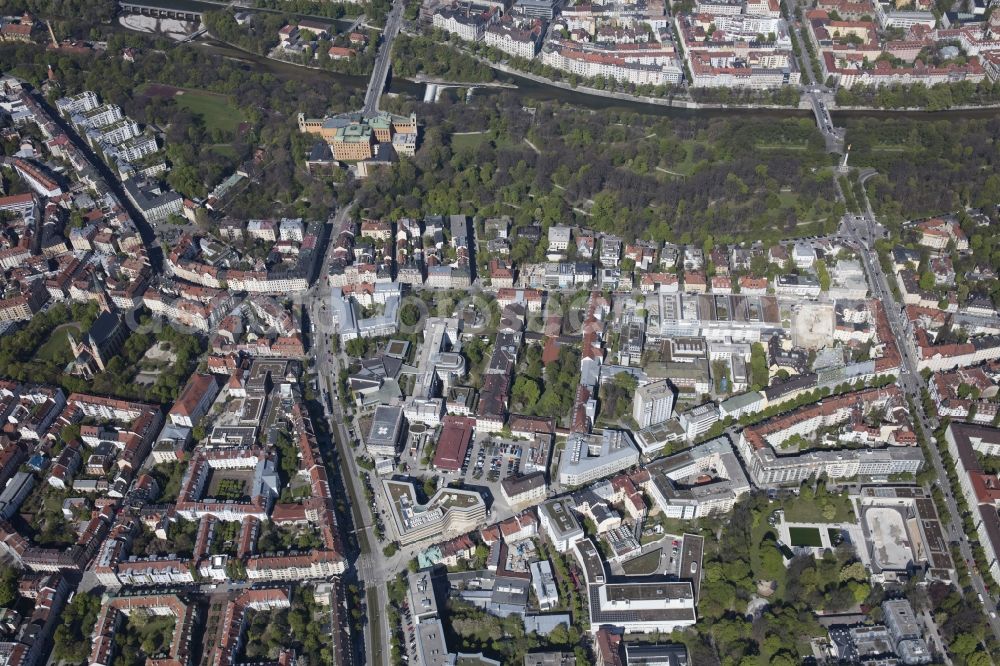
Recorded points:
(864, 235)
(819, 101)
(327, 367)
(381, 69)
(372, 567)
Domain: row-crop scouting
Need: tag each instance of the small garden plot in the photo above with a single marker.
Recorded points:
(229, 484)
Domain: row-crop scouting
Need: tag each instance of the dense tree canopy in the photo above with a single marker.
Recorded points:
(201, 150)
(640, 176)
(933, 98)
(927, 167)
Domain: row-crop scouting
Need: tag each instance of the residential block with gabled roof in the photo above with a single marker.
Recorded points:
(194, 400)
(981, 490)
(109, 621)
(520, 490)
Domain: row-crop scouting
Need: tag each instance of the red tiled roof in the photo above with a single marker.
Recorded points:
(456, 434)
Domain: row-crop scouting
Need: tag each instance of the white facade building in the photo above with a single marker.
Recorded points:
(544, 584)
(653, 403)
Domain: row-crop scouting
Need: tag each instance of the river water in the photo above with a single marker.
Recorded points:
(529, 91)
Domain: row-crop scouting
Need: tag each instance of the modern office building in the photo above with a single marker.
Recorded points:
(654, 403)
(386, 432)
(588, 457)
(558, 519)
(543, 9)
(450, 512)
(700, 481)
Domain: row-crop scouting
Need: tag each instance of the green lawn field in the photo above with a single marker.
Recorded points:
(215, 110)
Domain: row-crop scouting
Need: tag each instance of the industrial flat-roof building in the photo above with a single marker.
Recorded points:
(642, 607)
(902, 529)
(741, 318)
(431, 646)
(671, 654)
(550, 659)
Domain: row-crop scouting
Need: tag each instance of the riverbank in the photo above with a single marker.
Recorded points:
(437, 81)
(174, 29)
(615, 97)
(680, 103)
(672, 102)
(276, 66)
(527, 86)
(987, 109)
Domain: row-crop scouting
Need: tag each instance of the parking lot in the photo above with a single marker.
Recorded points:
(493, 459)
(409, 650)
(487, 462)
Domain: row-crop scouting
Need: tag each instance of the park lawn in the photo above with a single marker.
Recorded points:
(815, 510)
(644, 564)
(797, 145)
(302, 492)
(805, 536)
(224, 149)
(169, 476)
(469, 141)
(153, 632)
(758, 532)
(56, 348)
(216, 111)
(788, 198)
(889, 148)
(687, 166)
(649, 538)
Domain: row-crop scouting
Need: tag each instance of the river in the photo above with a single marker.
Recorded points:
(529, 91)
